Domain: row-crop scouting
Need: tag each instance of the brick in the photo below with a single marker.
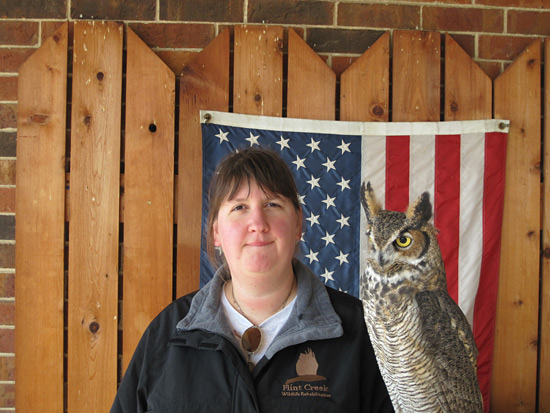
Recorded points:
(8, 115)
(33, 9)
(7, 340)
(502, 47)
(447, 2)
(8, 88)
(7, 313)
(18, 33)
(7, 143)
(7, 257)
(462, 19)
(7, 172)
(290, 12)
(8, 395)
(342, 40)
(491, 69)
(378, 15)
(11, 59)
(529, 22)
(175, 35)
(175, 59)
(532, 4)
(7, 227)
(7, 285)
(113, 9)
(341, 63)
(202, 11)
(466, 42)
(7, 200)
(7, 368)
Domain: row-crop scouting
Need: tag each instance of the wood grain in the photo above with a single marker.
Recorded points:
(416, 76)
(94, 228)
(365, 85)
(468, 90)
(204, 84)
(258, 70)
(148, 190)
(311, 83)
(39, 234)
(544, 361)
(517, 95)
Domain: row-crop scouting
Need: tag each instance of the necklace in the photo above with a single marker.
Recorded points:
(282, 306)
(252, 337)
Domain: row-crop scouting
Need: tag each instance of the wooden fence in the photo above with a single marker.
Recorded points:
(128, 195)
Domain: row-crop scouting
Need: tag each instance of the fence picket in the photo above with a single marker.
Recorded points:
(258, 70)
(416, 76)
(468, 90)
(93, 227)
(517, 98)
(365, 85)
(40, 183)
(204, 84)
(544, 322)
(311, 90)
(149, 191)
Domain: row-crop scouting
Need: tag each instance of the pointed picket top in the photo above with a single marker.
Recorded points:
(365, 85)
(39, 234)
(204, 84)
(468, 90)
(311, 83)
(148, 190)
(517, 96)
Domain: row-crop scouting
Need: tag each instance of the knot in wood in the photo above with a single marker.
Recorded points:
(39, 118)
(94, 327)
(100, 76)
(454, 106)
(546, 252)
(87, 120)
(378, 110)
(258, 97)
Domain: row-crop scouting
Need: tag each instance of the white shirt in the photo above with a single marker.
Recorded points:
(269, 327)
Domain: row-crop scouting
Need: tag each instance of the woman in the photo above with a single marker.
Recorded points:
(265, 334)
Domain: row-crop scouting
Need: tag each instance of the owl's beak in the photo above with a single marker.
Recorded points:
(381, 261)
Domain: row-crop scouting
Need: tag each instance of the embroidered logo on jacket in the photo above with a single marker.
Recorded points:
(308, 383)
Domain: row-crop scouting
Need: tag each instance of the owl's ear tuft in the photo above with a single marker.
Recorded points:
(420, 211)
(369, 202)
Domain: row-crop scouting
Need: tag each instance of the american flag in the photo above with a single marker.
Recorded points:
(461, 165)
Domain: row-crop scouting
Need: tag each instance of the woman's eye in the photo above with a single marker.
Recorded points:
(404, 241)
(237, 208)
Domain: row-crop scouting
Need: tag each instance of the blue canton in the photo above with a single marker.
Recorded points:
(327, 170)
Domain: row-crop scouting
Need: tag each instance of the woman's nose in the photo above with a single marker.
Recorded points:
(258, 220)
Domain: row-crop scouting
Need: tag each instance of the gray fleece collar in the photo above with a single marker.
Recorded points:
(312, 317)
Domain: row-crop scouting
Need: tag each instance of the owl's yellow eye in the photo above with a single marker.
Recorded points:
(404, 241)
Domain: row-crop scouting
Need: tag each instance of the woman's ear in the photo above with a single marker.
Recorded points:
(299, 225)
(215, 232)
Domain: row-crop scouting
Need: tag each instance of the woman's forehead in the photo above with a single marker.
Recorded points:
(242, 189)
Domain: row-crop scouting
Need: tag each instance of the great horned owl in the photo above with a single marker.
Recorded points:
(423, 342)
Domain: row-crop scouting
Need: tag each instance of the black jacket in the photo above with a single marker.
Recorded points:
(197, 366)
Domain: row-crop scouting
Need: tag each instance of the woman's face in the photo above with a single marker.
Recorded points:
(257, 231)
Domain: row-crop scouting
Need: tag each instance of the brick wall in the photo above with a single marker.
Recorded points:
(493, 32)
